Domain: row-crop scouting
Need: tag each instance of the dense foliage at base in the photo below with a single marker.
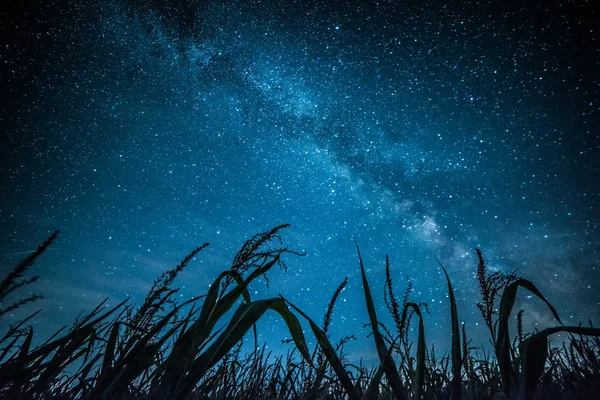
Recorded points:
(193, 349)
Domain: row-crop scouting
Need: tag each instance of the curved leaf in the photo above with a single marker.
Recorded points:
(244, 318)
(534, 350)
(185, 349)
(503, 344)
(389, 367)
(329, 352)
(373, 388)
(456, 351)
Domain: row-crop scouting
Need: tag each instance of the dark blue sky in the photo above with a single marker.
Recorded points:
(426, 129)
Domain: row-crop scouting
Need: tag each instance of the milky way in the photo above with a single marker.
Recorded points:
(426, 129)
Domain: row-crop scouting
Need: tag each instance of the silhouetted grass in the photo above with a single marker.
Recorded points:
(167, 349)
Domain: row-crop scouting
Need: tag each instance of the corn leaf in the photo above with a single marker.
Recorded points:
(372, 392)
(109, 351)
(456, 386)
(62, 358)
(534, 351)
(244, 318)
(503, 344)
(329, 352)
(187, 345)
(389, 367)
(26, 345)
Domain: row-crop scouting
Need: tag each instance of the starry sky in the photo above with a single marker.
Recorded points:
(425, 128)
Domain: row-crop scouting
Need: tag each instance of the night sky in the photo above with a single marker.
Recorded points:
(425, 128)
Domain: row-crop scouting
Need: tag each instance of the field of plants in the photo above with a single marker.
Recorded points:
(165, 349)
